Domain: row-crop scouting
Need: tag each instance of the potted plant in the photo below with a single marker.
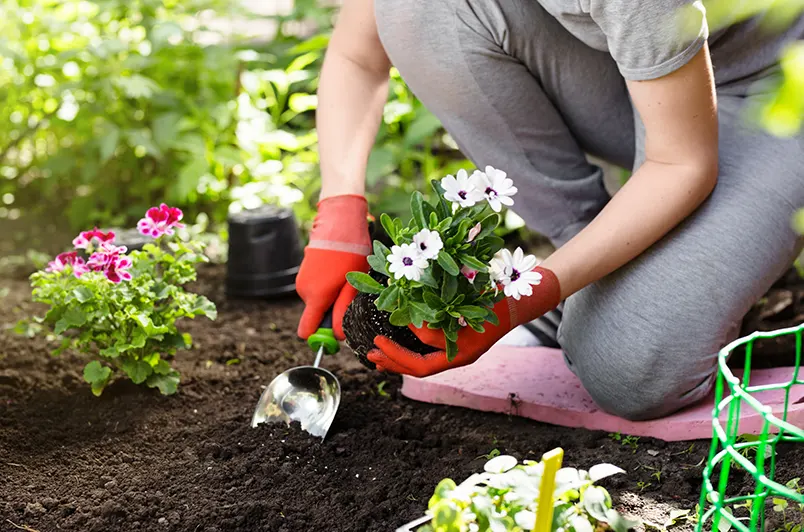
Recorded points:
(504, 498)
(444, 268)
(122, 308)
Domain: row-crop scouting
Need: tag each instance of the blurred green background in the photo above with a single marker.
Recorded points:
(111, 106)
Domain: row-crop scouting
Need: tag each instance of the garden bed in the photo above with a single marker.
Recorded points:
(135, 460)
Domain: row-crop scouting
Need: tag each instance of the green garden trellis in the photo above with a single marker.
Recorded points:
(728, 450)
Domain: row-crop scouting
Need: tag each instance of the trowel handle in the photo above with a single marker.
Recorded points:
(324, 337)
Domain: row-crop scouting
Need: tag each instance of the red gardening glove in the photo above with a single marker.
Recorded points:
(339, 244)
(390, 356)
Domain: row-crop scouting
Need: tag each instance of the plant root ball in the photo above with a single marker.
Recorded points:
(363, 322)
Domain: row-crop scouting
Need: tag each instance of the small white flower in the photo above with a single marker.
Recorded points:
(495, 186)
(406, 261)
(461, 189)
(428, 243)
(515, 273)
(525, 519)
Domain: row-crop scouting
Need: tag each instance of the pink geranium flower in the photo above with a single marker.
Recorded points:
(160, 221)
(91, 238)
(70, 259)
(116, 270)
(106, 255)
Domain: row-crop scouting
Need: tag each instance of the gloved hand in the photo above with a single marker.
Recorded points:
(339, 244)
(390, 356)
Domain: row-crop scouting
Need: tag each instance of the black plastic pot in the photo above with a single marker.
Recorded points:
(265, 251)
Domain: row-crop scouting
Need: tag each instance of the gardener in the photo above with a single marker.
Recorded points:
(656, 279)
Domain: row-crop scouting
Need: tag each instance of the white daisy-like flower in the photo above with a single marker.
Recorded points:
(406, 261)
(428, 243)
(515, 272)
(525, 519)
(496, 187)
(461, 189)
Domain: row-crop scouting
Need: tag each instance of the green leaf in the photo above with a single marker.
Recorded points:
(165, 129)
(167, 384)
(388, 224)
(449, 287)
(427, 313)
(495, 244)
(471, 312)
(137, 370)
(363, 282)
(162, 368)
(205, 307)
(381, 250)
(472, 262)
(478, 327)
(387, 300)
(488, 225)
(433, 301)
(416, 314)
(378, 264)
(400, 318)
(97, 375)
(94, 372)
(798, 222)
(492, 318)
(82, 294)
(448, 263)
(417, 210)
(444, 209)
(452, 348)
(427, 279)
(72, 317)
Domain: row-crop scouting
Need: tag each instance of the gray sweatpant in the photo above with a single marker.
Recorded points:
(520, 93)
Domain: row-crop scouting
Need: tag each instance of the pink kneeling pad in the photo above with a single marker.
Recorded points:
(534, 382)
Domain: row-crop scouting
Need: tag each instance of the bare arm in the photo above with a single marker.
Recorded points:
(351, 96)
(680, 116)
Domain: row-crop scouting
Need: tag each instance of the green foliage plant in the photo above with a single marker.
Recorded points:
(122, 309)
(504, 497)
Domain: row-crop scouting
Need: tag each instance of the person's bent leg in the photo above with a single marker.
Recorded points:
(644, 340)
(517, 92)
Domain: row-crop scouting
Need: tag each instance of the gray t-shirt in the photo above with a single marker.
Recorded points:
(652, 38)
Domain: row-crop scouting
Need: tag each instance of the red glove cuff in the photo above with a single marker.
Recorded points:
(546, 296)
(342, 225)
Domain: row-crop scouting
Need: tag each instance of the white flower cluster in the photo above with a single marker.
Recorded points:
(515, 272)
(410, 260)
(492, 185)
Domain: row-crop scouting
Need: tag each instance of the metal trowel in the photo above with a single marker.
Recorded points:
(309, 395)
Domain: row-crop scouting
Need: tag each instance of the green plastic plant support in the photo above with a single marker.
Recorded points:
(746, 513)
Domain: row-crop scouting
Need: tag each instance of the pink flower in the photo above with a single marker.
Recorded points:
(88, 238)
(473, 232)
(462, 321)
(160, 221)
(469, 273)
(106, 255)
(71, 259)
(116, 270)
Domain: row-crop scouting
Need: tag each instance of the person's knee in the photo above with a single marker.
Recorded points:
(635, 370)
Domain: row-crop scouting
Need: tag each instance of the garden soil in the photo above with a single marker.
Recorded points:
(134, 460)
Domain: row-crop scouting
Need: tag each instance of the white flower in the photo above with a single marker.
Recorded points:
(428, 243)
(525, 519)
(495, 186)
(406, 261)
(461, 189)
(515, 273)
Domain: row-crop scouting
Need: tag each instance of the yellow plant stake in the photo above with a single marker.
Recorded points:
(544, 514)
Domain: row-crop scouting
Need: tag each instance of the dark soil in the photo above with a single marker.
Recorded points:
(134, 460)
(363, 322)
